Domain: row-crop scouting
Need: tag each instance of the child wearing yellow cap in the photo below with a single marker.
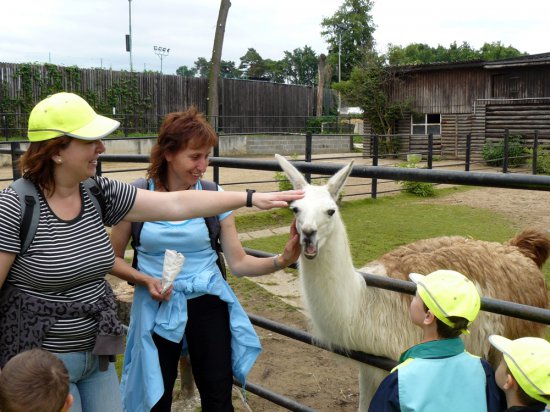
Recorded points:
(524, 372)
(438, 374)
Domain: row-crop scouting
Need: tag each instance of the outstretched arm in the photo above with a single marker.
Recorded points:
(242, 264)
(188, 204)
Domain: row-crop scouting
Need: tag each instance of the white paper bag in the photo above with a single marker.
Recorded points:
(173, 261)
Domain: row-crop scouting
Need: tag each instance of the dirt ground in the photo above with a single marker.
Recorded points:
(311, 376)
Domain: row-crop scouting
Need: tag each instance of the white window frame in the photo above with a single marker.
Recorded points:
(425, 124)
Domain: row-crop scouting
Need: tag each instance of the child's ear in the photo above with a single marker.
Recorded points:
(68, 403)
(510, 383)
(429, 318)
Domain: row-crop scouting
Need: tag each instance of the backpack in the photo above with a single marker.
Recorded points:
(212, 223)
(30, 215)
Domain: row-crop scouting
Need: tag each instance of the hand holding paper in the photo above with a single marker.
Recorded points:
(173, 261)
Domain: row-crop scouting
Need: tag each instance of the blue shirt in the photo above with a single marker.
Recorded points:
(439, 376)
(141, 383)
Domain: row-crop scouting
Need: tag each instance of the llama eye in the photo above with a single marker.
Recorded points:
(330, 212)
(295, 209)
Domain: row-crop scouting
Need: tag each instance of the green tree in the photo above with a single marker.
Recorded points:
(367, 88)
(202, 67)
(252, 65)
(274, 71)
(300, 66)
(352, 28)
(497, 51)
(186, 71)
(420, 53)
(229, 70)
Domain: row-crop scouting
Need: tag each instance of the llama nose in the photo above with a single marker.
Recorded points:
(308, 232)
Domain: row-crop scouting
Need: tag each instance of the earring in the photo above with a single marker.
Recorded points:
(58, 161)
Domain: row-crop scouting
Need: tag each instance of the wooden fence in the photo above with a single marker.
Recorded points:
(140, 99)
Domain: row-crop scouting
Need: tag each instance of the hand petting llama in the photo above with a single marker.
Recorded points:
(346, 312)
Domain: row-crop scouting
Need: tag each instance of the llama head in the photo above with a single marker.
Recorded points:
(317, 212)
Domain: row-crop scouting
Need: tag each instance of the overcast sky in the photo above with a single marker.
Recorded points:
(90, 33)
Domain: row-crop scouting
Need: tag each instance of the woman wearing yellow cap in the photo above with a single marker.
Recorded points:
(438, 374)
(54, 294)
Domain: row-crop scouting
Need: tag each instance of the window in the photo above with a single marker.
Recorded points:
(426, 124)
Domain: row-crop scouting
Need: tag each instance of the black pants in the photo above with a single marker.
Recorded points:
(209, 340)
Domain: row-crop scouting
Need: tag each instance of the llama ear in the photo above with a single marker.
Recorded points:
(336, 182)
(295, 177)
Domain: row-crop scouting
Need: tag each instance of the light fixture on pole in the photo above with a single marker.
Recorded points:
(161, 52)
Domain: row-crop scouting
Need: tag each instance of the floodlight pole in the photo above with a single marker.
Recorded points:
(161, 52)
(130, 33)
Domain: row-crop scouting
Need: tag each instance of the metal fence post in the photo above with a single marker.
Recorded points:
(99, 169)
(430, 150)
(535, 150)
(468, 152)
(309, 149)
(374, 180)
(125, 124)
(506, 146)
(15, 147)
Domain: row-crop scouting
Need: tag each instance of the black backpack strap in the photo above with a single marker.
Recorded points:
(96, 195)
(136, 227)
(213, 225)
(30, 212)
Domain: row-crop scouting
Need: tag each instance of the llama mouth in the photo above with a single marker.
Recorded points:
(310, 250)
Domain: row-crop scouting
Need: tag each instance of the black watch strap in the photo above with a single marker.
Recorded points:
(249, 197)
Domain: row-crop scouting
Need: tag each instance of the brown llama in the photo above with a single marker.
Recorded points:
(346, 312)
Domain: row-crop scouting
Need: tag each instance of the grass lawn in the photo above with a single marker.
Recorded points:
(378, 226)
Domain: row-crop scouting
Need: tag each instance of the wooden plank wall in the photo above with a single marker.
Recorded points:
(443, 91)
(454, 128)
(519, 119)
(246, 105)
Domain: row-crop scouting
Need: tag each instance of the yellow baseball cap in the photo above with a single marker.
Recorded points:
(67, 114)
(529, 362)
(448, 293)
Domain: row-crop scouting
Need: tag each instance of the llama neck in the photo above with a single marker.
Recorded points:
(330, 279)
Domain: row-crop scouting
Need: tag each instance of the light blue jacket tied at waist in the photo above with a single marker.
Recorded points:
(141, 383)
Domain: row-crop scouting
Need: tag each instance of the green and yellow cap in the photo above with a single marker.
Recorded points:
(528, 360)
(448, 293)
(70, 115)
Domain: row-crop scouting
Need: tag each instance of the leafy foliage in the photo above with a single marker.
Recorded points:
(422, 189)
(367, 87)
(493, 153)
(314, 124)
(352, 29)
(300, 66)
(543, 161)
(419, 53)
(186, 71)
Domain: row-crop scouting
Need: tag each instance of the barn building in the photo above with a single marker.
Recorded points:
(481, 98)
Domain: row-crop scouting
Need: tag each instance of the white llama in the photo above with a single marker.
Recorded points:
(347, 313)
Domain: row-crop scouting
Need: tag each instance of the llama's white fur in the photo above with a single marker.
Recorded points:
(347, 313)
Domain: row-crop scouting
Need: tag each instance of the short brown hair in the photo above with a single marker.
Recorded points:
(37, 165)
(178, 131)
(447, 332)
(34, 381)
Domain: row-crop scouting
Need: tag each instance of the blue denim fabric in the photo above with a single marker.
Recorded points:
(93, 391)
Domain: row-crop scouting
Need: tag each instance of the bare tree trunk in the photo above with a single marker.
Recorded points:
(213, 110)
(321, 84)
